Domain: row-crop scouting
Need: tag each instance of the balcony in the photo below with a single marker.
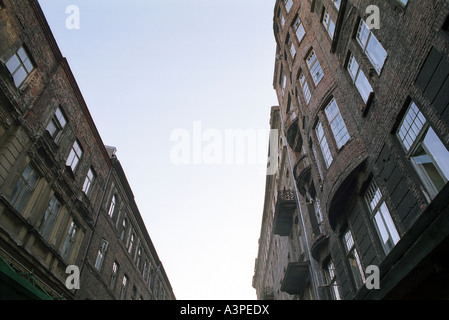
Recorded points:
(285, 212)
(294, 138)
(296, 277)
(320, 248)
(302, 172)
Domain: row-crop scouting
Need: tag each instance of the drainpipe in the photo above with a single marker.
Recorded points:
(314, 273)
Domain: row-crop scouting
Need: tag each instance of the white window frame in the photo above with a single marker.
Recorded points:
(337, 124)
(314, 67)
(101, 254)
(74, 156)
(328, 23)
(112, 205)
(381, 217)
(304, 87)
(299, 29)
(69, 240)
(57, 124)
(325, 150)
(50, 217)
(372, 48)
(288, 5)
(424, 149)
(359, 79)
(20, 66)
(353, 258)
(88, 182)
(332, 281)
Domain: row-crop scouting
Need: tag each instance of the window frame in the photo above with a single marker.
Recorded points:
(420, 132)
(355, 74)
(25, 63)
(300, 32)
(324, 145)
(337, 124)
(59, 122)
(327, 22)
(381, 217)
(50, 216)
(24, 189)
(365, 45)
(70, 239)
(89, 181)
(352, 252)
(314, 66)
(331, 278)
(75, 156)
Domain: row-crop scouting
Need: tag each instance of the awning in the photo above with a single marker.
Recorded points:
(14, 286)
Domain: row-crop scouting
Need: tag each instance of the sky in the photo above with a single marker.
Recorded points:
(165, 82)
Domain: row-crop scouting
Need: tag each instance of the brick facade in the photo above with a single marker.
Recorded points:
(404, 62)
(50, 216)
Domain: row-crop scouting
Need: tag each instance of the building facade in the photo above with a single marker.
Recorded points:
(363, 108)
(64, 198)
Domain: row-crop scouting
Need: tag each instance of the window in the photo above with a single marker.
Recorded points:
(144, 269)
(324, 145)
(69, 241)
(381, 217)
(283, 80)
(122, 232)
(281, 17)
(371, 46)
(24, 188)
(100, 254)
(304, 86)
(114, 274)
(138, 258)
(428, 155)
(358, 77)
(123, 289)
(131, 243)
(317, 160)
(337, 124)
(337, 4)
(288, 4)
(20, 66)
(57, 124)
(74, 156)
(329, 24)
(331, 281)
(90, 177)
(299, 29)
(291, 46)
(354, 259)
(314, 68)
(112, 206)
(51, 214)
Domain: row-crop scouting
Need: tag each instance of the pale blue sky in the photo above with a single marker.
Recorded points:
(149, 67)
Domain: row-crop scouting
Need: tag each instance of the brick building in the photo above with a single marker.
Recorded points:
(64, 198)
(363, 108)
